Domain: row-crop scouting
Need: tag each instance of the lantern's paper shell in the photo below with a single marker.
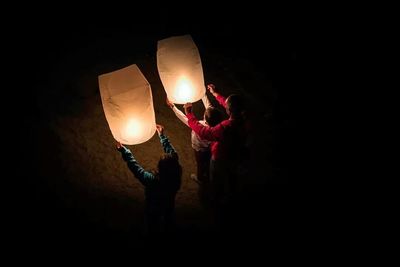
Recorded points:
(128, 105)
(180, 69)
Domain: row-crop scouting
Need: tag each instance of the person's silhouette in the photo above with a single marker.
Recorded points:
(160, 186)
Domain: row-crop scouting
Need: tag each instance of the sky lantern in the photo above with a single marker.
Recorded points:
(180, 69)
(128, 105)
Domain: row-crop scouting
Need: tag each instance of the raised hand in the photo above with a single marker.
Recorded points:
(118, 144)
(211, 88)
(169, 103)
(160, 129)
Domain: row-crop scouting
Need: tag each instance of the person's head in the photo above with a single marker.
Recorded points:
(170, 171)
(212, 116)
(234, 105)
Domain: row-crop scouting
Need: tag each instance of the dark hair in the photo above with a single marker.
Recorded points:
(212, 116)
(235, 104)
(170, 171)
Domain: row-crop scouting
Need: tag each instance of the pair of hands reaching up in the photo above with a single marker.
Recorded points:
(188, 106)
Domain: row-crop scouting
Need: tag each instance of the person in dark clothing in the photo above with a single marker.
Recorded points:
(161, 186)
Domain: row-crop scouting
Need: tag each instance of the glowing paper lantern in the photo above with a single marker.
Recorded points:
(128, 105)
(180, 70)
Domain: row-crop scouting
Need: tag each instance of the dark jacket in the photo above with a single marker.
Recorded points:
(160, 197)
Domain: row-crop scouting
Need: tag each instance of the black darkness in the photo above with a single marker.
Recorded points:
(268, 43)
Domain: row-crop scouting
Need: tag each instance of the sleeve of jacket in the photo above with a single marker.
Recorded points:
(205, 132)
(181, 116)
(143, 176)
(221, 100)
(167, 146)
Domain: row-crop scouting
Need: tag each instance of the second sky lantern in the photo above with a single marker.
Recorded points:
(180, 69)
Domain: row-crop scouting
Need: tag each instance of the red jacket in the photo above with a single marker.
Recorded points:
(228, 136)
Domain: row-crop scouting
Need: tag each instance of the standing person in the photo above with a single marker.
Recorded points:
(201, 147)
(161, 186)
(228, 139)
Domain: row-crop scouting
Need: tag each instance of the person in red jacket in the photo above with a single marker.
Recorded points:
(201, 148)
(228, 142)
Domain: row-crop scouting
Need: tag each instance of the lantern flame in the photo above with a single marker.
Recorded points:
(133, 129)
(184, 90)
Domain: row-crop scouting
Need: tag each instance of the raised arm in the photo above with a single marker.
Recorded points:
(220, 98)
(179, 114)
(143, 176)
(168, 148)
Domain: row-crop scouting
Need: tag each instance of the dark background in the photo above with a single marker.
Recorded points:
(249, 50)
